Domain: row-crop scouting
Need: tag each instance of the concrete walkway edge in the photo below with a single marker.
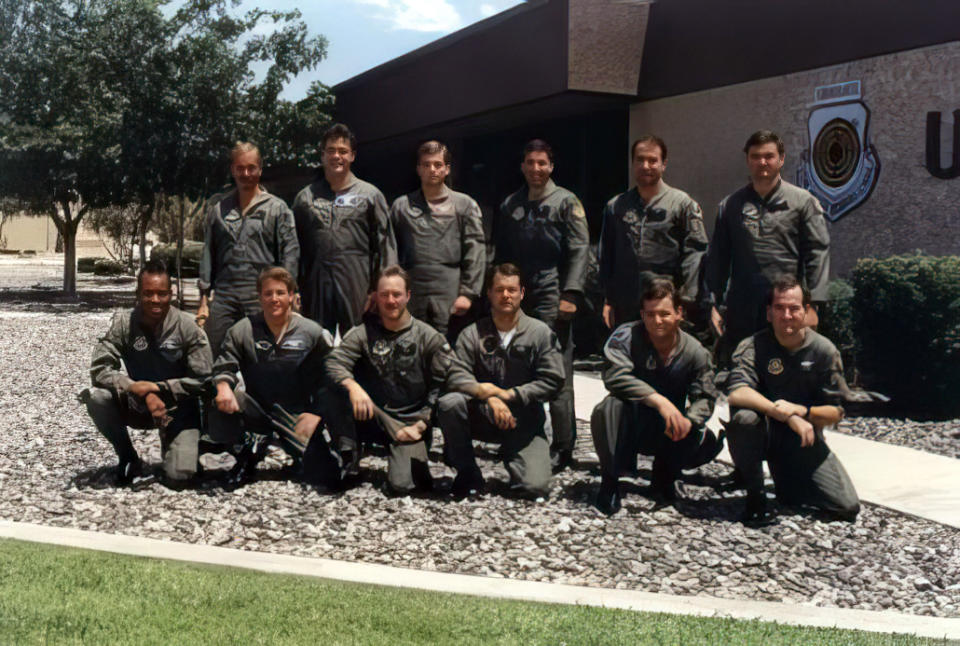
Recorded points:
(368, 573)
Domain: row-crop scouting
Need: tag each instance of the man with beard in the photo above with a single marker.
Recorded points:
(439, 242)
(280, 356)
(167, 360)
(509, 364)
(542, 229)
(661, 394)
(785, 387)
(345, 236)
(649, 231)
(767, 228)
(390, 369)
(246, 231)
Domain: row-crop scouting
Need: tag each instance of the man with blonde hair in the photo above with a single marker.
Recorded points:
(280, 355)
(247, 230)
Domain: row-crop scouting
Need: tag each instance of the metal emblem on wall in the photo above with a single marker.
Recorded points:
(840, 166)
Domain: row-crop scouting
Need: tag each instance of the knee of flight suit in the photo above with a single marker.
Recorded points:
(743, 420)
(537, 477)
(452, 407)
(181, 453)
(608, 407)
(100, 402)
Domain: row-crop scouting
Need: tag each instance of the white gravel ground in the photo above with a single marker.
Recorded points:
(55, 469)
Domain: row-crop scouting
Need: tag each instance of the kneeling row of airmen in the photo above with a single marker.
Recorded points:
(279, 379)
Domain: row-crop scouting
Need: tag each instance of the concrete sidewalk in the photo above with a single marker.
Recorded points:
(800, 615)
(896, 477)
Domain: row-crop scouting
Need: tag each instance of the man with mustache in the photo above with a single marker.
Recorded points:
(246, 231)
(542, 229)
(167, 360)
(390, 370)
(440, 242)
(785, 387)
(649, 231)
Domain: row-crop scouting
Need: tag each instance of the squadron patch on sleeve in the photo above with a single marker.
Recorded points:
(577, 209)
(775, 366)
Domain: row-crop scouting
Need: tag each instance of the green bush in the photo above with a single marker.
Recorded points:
(85, 265)
(836, 323)
(906, 320)
(192, 250)
(108, 267)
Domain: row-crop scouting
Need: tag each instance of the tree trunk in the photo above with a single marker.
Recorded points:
(180, 215)
(146, 215)
(70, 260)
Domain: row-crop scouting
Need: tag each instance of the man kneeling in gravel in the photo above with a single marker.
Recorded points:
(280, 355)
(784, 387)
(167, 360)
(390, 368)
(661, 394)
(517, 361)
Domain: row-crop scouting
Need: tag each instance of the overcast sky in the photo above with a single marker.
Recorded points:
(365, 33)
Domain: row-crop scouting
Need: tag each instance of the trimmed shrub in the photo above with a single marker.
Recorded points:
(906, 319)
(836, 323)
(86, 264)
(108, 267)
(192, 250)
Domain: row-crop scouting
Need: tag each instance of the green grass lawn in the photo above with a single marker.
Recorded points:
(60, 595)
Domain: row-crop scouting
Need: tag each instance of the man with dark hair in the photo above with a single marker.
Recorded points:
(542, 228)
(661, 394)
(390, 369)
(508, 365)
(345, 236)
(280, 356)
(439, 241)
(245, 231)
(651, 230)
(767, 228)
(167, 359)
(784, 389)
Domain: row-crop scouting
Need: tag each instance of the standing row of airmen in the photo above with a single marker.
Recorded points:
(382, 379)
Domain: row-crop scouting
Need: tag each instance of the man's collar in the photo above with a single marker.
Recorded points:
(351, 180)
(404, 325)
(549, 188)
(161, 326)
(773, 192)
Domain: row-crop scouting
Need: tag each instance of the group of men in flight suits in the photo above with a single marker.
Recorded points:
(396, 284)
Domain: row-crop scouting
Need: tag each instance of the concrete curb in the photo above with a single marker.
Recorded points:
(882, 622)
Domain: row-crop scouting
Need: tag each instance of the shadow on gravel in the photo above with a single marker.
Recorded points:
(56, 302)
(96, 478)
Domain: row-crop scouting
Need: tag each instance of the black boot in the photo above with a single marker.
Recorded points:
(608, 499)
(469, 484)
(561, 459)
(663, 481)
(244, 471)
(757, 512)
(129, 472)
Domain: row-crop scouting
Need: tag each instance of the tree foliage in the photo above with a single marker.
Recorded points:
(127, 102)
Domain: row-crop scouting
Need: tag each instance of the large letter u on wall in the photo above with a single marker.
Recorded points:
(933, 146)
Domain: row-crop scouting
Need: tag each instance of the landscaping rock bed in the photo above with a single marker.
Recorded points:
(942, 438)
(56, 470)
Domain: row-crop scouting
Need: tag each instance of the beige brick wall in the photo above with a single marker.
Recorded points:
(23, 232)
(909, 209)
